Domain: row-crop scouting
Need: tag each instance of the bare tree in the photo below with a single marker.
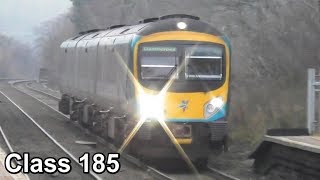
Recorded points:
(50, 35)
(15, 59)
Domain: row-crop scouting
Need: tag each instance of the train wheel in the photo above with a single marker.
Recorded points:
(120, 131)
(63, 105)
(97, 122)
(104, 129)
(74, 116)
(97, 126)
(91, 112)
(81, 117)
(85, 116)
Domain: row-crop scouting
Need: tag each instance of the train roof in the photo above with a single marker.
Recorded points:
(151, 25)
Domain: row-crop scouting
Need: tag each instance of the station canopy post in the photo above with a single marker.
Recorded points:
(313, 111)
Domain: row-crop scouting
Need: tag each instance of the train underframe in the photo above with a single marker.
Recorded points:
(151, 140)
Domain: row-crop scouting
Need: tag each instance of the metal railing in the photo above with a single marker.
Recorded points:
(313, 102)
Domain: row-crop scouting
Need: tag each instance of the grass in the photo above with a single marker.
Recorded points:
(253, 110)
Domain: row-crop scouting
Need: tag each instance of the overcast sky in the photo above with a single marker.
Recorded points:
(19, 18)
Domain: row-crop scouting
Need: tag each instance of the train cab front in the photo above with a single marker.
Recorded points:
(181, 94)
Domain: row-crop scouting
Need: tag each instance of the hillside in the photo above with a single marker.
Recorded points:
(273, 44)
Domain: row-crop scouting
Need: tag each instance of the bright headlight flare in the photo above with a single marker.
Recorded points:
(217, 102)
(161, 118)
(151, 106)
(181, 25)
(213, 106)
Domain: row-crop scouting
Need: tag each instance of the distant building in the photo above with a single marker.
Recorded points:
(43, 74)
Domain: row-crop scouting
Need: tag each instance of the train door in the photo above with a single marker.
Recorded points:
(122, 54)
(78, 64)
(92, 48)
(106, 79)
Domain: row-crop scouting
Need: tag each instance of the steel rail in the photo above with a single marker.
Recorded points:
(220, 175)
(95, 176)
(133, 160)
(6, 140)
(41, 92)
(11, 149)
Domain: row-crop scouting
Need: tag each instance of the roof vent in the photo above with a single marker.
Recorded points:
(116, 26)
(148, 20)
(90, 31)
(179, 16)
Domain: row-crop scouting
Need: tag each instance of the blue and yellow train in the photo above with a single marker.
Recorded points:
(161, 83)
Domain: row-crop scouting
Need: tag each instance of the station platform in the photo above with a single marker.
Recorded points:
(306, 143)
(291, 157)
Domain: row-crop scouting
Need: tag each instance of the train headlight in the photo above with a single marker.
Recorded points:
(213, 106)
(151, 106)
(210, 108)
(181, 25)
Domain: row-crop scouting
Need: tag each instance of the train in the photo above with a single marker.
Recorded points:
(169, 74)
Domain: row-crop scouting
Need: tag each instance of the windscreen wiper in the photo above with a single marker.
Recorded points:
(172, 70)
(198, 78)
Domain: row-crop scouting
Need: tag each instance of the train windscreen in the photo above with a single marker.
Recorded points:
(193, 66)
(203, 62)
(158, 62)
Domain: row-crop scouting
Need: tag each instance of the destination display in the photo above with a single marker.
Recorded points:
(159, 49)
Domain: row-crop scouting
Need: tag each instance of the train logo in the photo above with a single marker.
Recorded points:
(184, 105)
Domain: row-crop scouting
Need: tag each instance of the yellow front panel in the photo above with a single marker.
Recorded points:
(196, 103)
(196, 100)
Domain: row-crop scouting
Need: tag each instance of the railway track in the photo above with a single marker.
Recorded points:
(34, 139)
(6, 150)
(67, 133)
(208, 173)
